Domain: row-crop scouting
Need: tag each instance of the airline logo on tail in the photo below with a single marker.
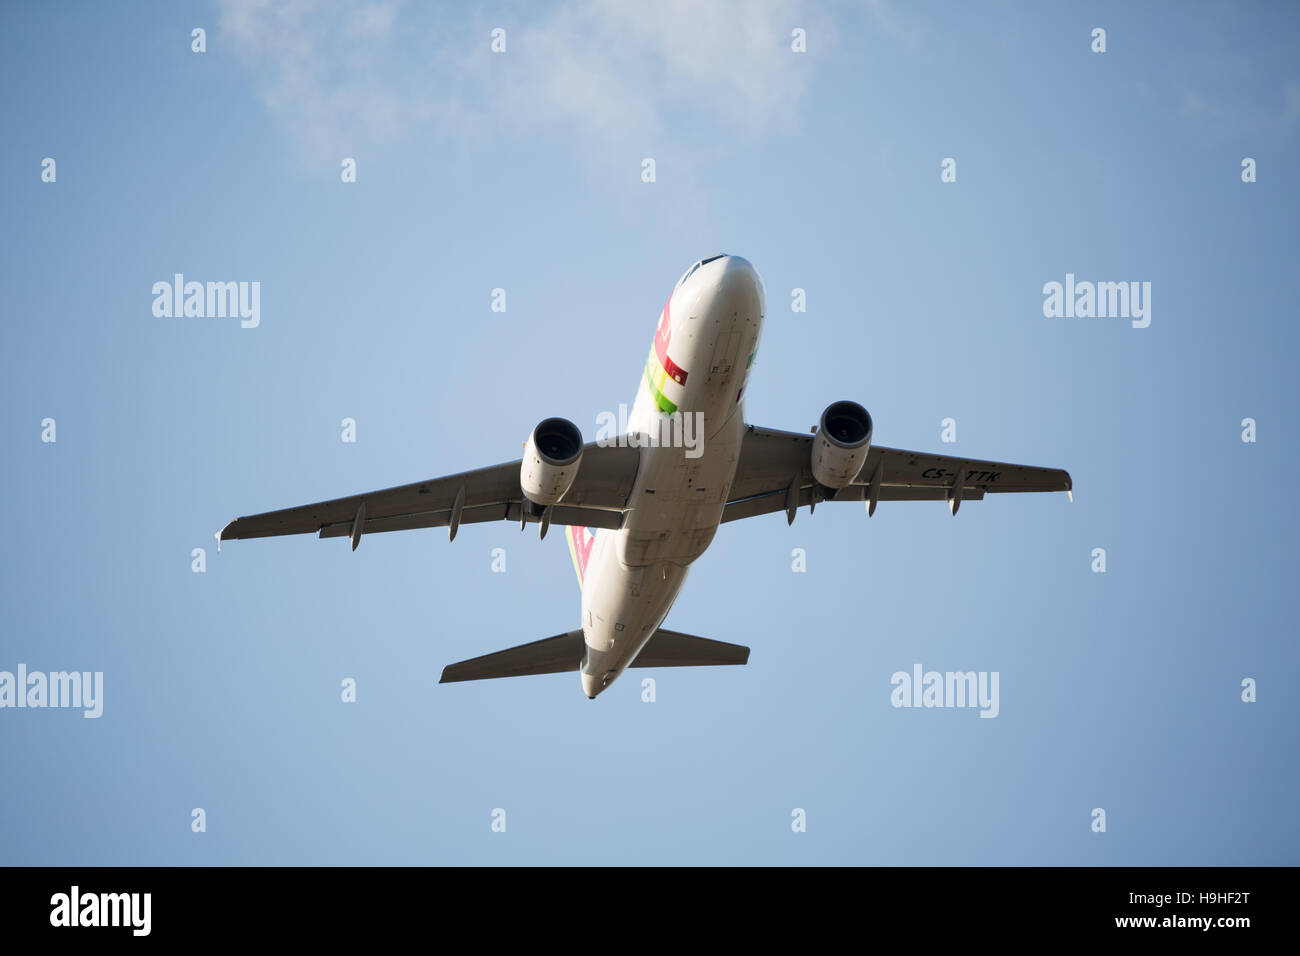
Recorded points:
(580, 542)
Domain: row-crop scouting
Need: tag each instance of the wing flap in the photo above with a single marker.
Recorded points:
(775, 501)
(560, 515)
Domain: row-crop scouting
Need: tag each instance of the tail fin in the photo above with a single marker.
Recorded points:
(564, 652)
(580, 541)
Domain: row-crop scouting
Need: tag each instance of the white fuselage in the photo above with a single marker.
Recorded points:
(698, 367)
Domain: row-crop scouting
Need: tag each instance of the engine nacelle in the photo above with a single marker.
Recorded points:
(839, 449)
(551, 459)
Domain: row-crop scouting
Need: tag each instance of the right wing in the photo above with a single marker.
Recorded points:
(597, 499)
(774, 474)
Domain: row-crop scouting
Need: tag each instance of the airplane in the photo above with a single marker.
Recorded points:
(639, 510)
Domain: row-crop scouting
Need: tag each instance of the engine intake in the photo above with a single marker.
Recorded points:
(839, 449)
(551, 459)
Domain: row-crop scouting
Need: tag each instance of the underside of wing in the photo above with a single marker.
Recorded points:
(774, 474)
(596, 499)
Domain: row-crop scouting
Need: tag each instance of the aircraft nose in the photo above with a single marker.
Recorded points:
(591, 684)
(739, 284)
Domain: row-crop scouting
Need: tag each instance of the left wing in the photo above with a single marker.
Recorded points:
(774, 474)
(597, 499)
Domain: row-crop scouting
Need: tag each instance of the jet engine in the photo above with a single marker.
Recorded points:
(839, 449)
(551, 458)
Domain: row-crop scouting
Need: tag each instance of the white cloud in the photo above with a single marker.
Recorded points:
(326, 72)
(343, 76)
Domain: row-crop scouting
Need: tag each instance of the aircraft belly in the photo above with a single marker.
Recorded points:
(678, 500)
(636, 573)
(688, 421)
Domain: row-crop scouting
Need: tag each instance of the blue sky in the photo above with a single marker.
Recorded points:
(522, 171)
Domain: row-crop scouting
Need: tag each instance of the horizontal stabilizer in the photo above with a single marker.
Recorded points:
(564, 653)
(671, 649)
(550, 655)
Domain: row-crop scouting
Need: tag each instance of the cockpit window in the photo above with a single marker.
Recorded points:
(703, 262)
